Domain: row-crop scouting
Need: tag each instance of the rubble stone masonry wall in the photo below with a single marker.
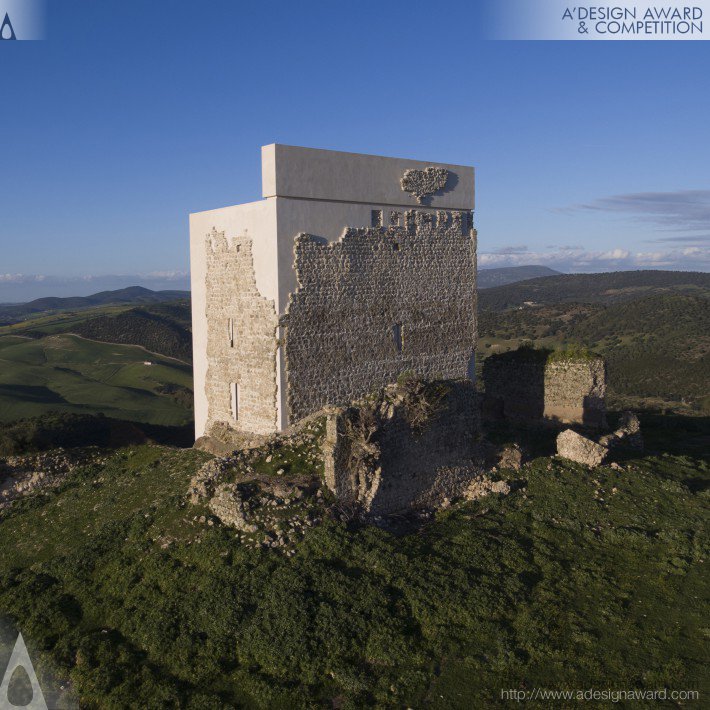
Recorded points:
(404, 468)
(381, 301)
(575, 391)
(241, 340)
(537, 385)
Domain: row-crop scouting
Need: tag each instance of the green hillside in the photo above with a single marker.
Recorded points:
(131, 295)
(615, 286)
(488, 278)
(69, 373)
(140, 327)
(164, 328)
(583, 579)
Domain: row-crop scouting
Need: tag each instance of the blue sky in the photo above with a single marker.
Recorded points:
(589, 155)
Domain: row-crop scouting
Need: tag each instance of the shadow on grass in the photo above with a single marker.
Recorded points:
(39, 394)
(68, 430)
(663, 433)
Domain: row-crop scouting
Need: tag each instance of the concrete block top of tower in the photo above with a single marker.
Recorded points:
(309, 173)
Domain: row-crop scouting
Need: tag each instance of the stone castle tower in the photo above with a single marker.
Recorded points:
(351, 270)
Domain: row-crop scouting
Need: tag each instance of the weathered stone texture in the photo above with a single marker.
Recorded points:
(575, 390)
(627, 434)
(533, 385)
(377, 303)
(376, 457)
(515, 387)
(228, 505)
(575, 447)
(241, 339)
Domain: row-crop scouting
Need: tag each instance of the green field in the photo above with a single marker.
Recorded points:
(59, 322)
(70, 374)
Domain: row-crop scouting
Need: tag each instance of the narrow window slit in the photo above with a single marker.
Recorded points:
(397, 337)
(234, 392)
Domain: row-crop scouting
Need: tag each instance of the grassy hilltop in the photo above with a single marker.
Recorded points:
(133, 597)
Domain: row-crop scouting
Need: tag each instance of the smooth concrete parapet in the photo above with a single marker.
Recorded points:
(309, 173)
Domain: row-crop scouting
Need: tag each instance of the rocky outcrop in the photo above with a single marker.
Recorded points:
(627, 434)
(578, 448)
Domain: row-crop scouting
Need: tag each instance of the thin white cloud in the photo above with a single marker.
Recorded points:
(167, 275)
(684, 212)
(21, 278)
(577, 259)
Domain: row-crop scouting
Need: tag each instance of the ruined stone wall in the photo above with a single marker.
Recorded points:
(387, 465)
(575, 390)
(241, 340)
(515, 388)
(537, 385)
(397, 296)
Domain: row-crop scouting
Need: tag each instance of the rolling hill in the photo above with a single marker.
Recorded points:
(131, 295)
(68, 373)
(615, 286)
(488, 278)
(139, 326)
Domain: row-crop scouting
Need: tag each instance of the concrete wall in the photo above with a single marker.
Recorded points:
(308, 173)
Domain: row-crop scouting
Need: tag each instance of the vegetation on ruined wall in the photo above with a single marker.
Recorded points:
(582, 577)
(421, 400)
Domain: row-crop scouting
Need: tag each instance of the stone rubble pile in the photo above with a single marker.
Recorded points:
(26, 474)
(484, 486)
(582, 449)
(271, 509)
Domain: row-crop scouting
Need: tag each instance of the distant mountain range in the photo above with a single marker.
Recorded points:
(488, 278)
(21, 288)
(132, 295)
